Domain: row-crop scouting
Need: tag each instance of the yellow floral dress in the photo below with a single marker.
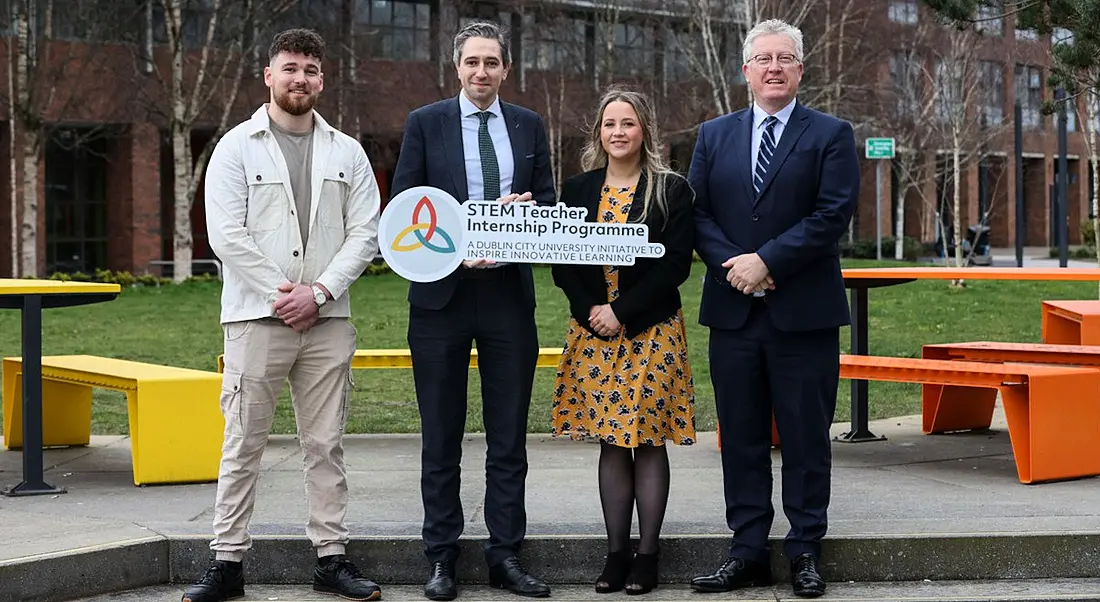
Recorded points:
(626, 392)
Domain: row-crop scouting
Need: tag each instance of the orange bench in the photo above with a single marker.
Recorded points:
(1053, 412)
(1071, 322)
(1023, 353)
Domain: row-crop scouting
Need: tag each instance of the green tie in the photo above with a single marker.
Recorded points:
(490, 172)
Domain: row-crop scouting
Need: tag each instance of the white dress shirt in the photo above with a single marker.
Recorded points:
(758, 117)
(253, 229)
(498, 131)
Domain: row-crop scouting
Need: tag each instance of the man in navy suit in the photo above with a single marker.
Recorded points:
(776, 185)
(476, 147)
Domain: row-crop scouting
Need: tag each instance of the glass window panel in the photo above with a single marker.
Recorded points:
(402, 44)
(380, 13)
(423, 16)
(404, 14)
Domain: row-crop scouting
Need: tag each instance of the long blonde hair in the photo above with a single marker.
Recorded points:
(653, 165)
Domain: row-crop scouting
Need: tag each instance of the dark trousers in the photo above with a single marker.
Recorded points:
(755, 370)
(487, 307)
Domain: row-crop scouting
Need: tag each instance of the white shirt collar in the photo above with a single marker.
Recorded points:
(783, 115)
(468, 108)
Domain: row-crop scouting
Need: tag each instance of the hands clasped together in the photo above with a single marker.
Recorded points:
(603, 320)
(511, 198)
(748, 273)
(297, 308)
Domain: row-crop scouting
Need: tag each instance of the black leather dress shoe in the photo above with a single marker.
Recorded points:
(735, 573)
(805, 579)
(441, 581)
(509, 575)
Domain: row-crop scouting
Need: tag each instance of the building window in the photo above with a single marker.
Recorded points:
(1029, 93)
(554, 44)
(633, 49)
(905, 76)
(76, 202)
(399, 30)
(903, 11)
(677, 52)
(1027, 34)
(949, 84)
(989, 20)
(993, 88)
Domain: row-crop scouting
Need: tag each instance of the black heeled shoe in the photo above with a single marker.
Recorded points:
(643, 574)
(615, 570)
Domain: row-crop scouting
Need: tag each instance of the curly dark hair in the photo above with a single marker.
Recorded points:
(299, 41)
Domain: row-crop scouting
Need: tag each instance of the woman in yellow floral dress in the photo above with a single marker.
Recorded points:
(624, 376)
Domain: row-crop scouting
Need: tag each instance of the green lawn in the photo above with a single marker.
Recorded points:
(178, 325)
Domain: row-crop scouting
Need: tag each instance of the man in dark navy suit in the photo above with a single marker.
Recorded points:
(776, 185)
(476, 147)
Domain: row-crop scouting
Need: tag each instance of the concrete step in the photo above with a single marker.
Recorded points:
(1037, 590)
(576, 560)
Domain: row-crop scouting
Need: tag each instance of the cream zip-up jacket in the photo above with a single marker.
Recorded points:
(252, 228)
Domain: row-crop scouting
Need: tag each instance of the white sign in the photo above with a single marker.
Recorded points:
(425, 234)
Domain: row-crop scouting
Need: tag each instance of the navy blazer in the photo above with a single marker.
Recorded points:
(432, 155)
(648, 290)
(795, 225)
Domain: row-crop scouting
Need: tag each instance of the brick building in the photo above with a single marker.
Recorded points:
(105, 169)
(1004, 66)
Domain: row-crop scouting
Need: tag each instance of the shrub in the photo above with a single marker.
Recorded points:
(865, 249)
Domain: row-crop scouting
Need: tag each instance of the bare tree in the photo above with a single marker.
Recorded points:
(1089, 118)
(38, 93)
(908, 106)
(715, 28)
(959, 92)
(553, 68)
(833, 61)
(209, 44)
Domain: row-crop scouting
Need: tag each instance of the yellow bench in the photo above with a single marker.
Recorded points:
(175, 416)
(402, 358)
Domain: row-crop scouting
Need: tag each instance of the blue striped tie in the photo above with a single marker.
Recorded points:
(764, 155)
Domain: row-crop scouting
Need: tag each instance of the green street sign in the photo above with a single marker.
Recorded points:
(880, 148)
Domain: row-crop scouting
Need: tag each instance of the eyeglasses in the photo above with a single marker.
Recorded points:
(765, 60)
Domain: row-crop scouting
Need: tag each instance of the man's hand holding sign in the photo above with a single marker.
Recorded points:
(426, 234)
(511, 198)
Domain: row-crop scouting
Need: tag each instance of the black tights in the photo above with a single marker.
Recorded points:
(626, 477)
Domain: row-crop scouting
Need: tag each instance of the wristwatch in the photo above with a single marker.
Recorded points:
(319, 296)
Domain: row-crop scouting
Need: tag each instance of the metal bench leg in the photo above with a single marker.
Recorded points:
(162, 451)
(952, 408)
(66, 413)
(1054, 424)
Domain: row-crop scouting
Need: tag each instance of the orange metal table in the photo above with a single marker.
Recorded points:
(859, 280)
(1069, 322)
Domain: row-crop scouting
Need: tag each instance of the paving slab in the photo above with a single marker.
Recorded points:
(908, 508)
(978, 591)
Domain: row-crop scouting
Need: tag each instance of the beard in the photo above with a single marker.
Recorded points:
(294, 104)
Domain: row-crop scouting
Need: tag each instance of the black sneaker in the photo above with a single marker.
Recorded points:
(338, 576)
(224, 580)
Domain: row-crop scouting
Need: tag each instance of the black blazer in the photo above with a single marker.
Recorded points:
(648, 290)
(432, 155)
